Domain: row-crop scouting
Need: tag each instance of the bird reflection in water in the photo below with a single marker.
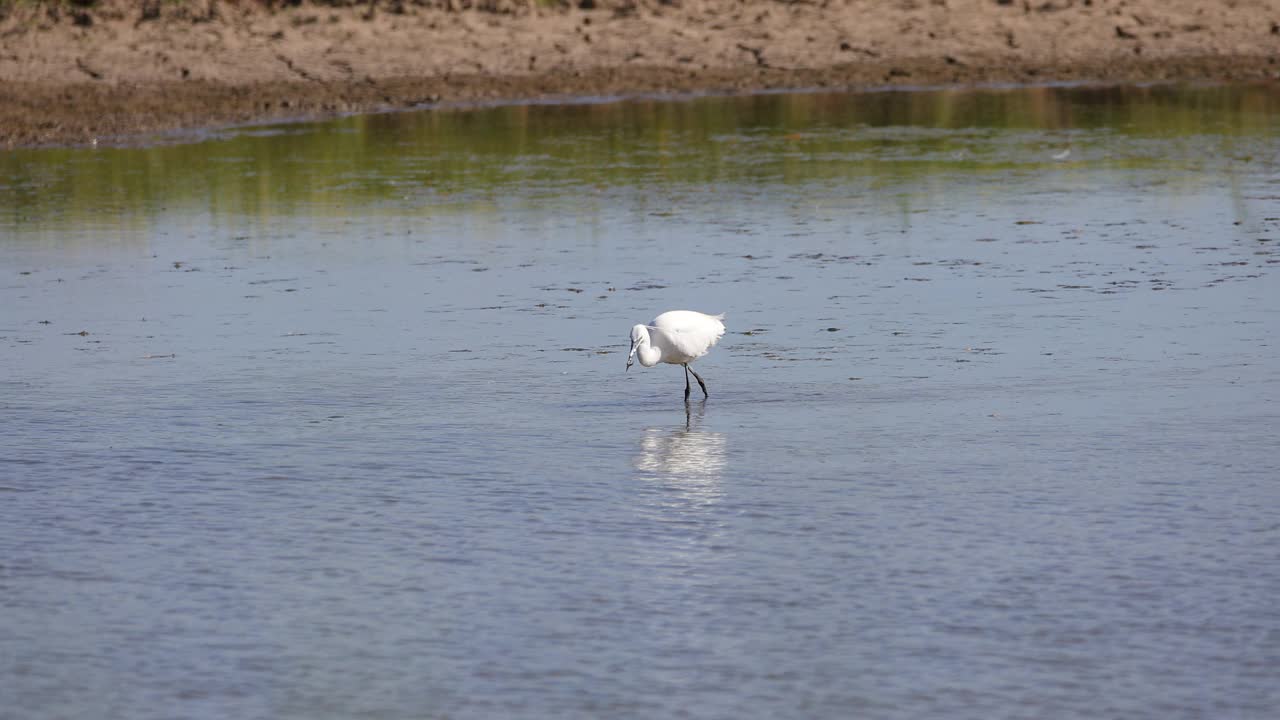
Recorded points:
(689, 459)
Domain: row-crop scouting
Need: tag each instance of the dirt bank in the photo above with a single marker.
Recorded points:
(73, 72)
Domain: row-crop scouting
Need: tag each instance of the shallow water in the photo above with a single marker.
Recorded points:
(331, 420)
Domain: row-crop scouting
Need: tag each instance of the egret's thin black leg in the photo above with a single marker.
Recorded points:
(695, 377)
(686, 382)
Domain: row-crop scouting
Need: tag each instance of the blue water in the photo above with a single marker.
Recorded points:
(990, 438)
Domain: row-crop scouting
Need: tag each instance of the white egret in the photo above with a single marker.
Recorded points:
(676, 337)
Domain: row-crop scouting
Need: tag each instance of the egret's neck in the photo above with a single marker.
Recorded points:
(646, 353)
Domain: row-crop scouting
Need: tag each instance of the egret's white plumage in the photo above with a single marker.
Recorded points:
(677, 337)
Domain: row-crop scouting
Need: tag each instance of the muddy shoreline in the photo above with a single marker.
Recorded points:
(102, 72)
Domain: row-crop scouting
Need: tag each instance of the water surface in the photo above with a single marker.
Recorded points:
(331, 420)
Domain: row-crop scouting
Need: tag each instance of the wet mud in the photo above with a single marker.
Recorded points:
(106, 71)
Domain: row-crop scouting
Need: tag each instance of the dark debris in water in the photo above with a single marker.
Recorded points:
(447, 261)
(825, 258)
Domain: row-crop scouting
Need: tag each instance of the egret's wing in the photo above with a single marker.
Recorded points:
(690, 333)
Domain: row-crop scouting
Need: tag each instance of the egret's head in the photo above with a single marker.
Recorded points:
(638, 333)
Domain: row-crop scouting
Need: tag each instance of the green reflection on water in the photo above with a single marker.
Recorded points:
(423, 162)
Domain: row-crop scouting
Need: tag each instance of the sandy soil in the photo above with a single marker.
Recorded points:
(73, 72)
